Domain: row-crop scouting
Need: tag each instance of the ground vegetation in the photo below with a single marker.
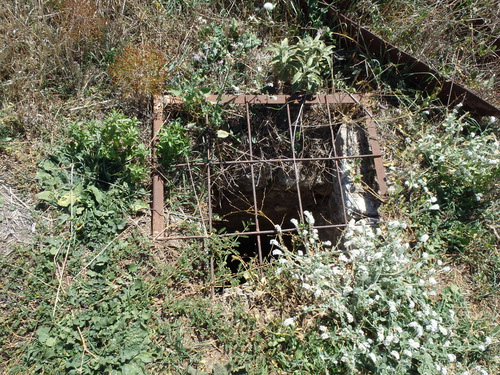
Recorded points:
(84, 289)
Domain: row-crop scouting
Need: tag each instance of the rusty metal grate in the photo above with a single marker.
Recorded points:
(253, 160)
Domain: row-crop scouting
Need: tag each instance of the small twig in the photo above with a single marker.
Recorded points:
(89, 105)
(15, 196)
(84, 344)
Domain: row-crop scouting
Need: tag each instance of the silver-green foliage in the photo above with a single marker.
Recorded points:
(372, 305)
(304, 64)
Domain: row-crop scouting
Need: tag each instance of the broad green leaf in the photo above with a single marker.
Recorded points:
(46, 196)
(67, 199)
(51, 341)
(98, 194)
(205, 90)
(139, 205)
(43, 334)
(132, 369)
(145, 357)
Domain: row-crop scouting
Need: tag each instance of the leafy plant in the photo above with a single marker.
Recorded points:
(369, 305)
(304, 64)
(95, 178)
(172, 143)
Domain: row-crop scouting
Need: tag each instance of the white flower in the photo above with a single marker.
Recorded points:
(433, 326)
(487, 340)
(407, 353)
(269, 7)
(373, 357)
(277, 228)
(327, 243)
(443, 330)
(380, 334)
(425, 255)
(414, 344)
(309, 217)
(433, 199)
(481, 370)
(325, 336)
(343, 258)
(452, 314)
(392, 307)
(395, 354)
(288, 321)
(432, 281)
(424, 237)
(452, 358)
(273, 242)
(479, 196)
(277, 252)
(323, 329)
(434, 207)
(350, 318)
(295, 223)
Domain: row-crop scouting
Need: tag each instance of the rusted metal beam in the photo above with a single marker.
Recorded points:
(420, 73)
(157, 221)
(286, 160)
(249, 233)
(339, 98)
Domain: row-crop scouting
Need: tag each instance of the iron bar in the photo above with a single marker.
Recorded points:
(295, 168)
(375, 146)
(254, 190)
(254, 233)
(286, 101)
(288, 160)
(210, 215)
(337, 164)
(421, 74)
(157, 221)
(338, 98)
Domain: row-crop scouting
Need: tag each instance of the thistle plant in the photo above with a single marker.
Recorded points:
(371, 304)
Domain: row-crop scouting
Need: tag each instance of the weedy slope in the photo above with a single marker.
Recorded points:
(85, 291)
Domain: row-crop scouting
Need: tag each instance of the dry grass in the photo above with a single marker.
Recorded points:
(460, 39)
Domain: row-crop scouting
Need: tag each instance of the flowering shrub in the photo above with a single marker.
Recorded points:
(470, 161)
(452, 181)
(369, 305)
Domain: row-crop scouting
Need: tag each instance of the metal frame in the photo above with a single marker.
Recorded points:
(161, 102)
